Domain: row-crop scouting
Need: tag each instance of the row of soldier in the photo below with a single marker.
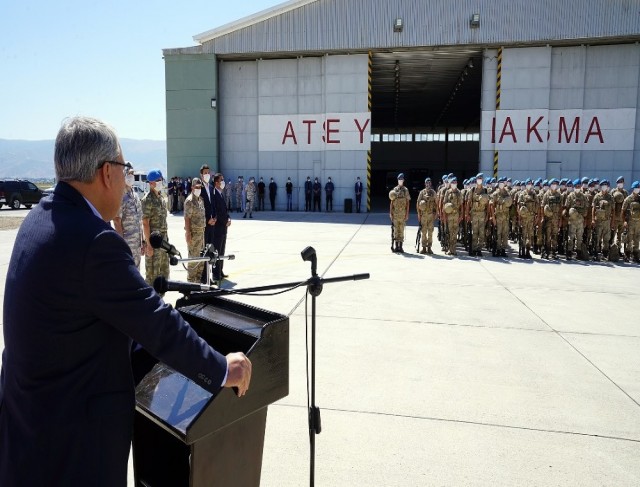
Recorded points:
(581, 218)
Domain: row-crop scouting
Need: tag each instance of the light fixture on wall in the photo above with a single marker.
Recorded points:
(475, 20)
(398, 25)
(214, 103)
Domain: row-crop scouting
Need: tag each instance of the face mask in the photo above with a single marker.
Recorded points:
(529, 186)
(206, 178)
(129, 180)
(554, 187)
(605, 188)
(620, 185)
(222, 185)
(454, 185)
(636, 191)
(562, 186)
(500, 185)
(197, 192)
(570, 189)
(585, 186)
(400, 182)
(479, 182)
(158, 185)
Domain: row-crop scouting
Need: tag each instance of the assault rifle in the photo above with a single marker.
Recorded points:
(392, 248)
(418, 237)
(469, 237)
(493, 239)
(522, 251)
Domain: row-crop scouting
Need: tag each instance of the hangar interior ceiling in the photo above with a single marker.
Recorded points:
(427, 89)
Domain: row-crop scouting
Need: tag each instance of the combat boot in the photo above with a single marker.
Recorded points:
(429, 251)
(245, 216)
(626, 257)
(569, 254)
(527, 255)
(424, 250)
(636, 257)
(400, 248)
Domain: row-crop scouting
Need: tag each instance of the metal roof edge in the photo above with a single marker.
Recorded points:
(251, 19)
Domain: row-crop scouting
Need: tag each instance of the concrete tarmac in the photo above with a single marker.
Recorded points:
(440, 371)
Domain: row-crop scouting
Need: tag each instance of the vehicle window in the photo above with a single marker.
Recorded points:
(32, 187)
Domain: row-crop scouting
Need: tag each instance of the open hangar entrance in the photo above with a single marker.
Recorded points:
(425, 117)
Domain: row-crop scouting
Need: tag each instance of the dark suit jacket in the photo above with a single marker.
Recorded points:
(219, 210)
(74, 300)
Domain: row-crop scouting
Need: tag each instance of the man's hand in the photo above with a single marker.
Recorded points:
(239, 374)
(211, 221)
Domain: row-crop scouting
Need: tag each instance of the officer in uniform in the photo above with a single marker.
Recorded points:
(239, 190)
(499, 210)
(552, 211)
(228, 194)
(602, 219)
(154, 219)
(630, 215)
(251, 195)
(194, 223)
(452, 208)
(527, 214)
(478, 201)
(576, 210)
(128, 223)
(399, 212)
(619, 195)
(426, 206)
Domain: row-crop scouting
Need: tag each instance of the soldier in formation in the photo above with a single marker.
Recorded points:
(426, 206)
(399, 213)
(477, 202)
(630, 216)
(251, 195)
(452, 213)
(128, 223)
(499, 206)
(239, 189)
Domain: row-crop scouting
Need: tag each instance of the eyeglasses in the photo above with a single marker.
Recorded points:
(126, 167)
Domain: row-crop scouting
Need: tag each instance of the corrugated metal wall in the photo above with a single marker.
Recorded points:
(329, 25)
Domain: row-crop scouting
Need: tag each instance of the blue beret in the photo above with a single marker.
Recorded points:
(554, 181)
(604, 182)
(636, 184)
(480, 176)
(401, 176)
(154, 175)
(620, 179)
(576, 182)
(585, 180)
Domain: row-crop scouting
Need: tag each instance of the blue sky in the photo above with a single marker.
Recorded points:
(102, 59)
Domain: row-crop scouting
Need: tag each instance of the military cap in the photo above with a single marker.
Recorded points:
(585, 180)
(538, 181)
(516, 182)
(480, 176)
(444, 177)
(620, 179)
(553, 181)
(450, 175)
(427, 180)
(154, 175)
(502, 180)
(596, 180)
(635, 184)
(400, 176)
(604, 182)
(592, 182)
(452, 178)
(563, 181)
(528, 181)
(570, 183)
(196, 182)
(508, 180)
(576, 181)
(545, 183)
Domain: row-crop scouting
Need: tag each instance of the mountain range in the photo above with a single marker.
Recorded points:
(33, 159)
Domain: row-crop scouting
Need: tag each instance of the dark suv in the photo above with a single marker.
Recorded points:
(16, 192)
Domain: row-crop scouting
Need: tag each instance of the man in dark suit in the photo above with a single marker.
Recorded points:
(207, 196)
(66, 387)
(221, 221)
(358, 190)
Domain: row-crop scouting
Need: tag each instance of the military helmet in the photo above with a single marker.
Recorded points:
(448, 208)
(392, 195)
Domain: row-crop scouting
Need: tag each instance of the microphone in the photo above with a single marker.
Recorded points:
(157, 241)
(212, 253)
(162, 285)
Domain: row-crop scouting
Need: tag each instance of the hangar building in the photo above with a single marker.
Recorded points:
(369, 88)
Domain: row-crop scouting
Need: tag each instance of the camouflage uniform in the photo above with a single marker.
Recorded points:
(527, 208)
(452, 205)
(251, 195)
(501, 202)
(618, 195)
(478, 201)
(552, 208)
(602, 214)
(194, 212)
(577, 206)
(427, 214)
(631, 213)
(400, 199)
(239, 190)
(228, 195)
(154, 209)
(130, 214)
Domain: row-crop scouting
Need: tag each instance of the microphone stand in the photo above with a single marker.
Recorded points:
(314, 287)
